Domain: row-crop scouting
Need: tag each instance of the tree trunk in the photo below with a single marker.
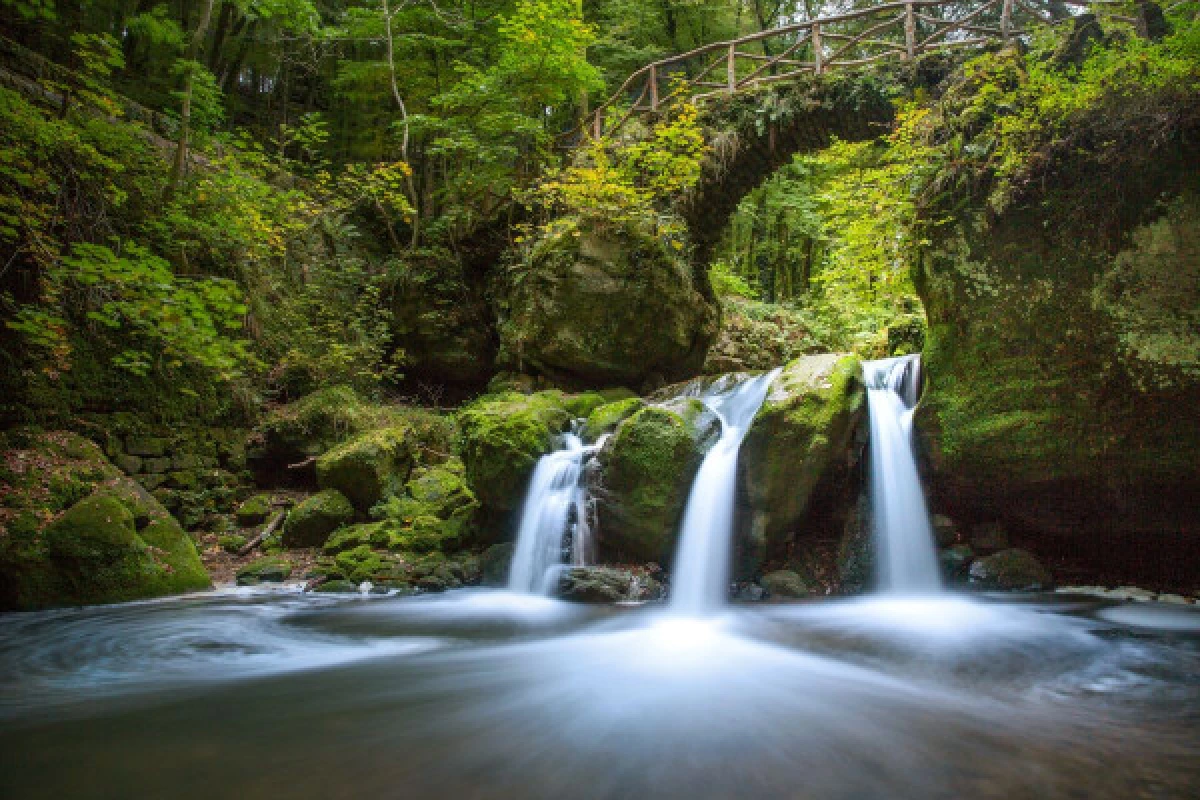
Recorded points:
(409, 187)
(185, 111)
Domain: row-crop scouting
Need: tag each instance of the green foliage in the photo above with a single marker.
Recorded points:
(991, 135)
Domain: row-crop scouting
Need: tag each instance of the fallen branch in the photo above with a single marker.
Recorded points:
(272, 526)
(304, 463)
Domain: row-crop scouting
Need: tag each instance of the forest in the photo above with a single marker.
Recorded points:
(506, 398)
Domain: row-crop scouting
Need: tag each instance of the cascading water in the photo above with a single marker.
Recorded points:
(906, 558)
(700, 578)
(555, 508)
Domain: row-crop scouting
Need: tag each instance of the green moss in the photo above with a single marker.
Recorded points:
(113, 543)
(582, 405)
(604, 305)
(503, 436)
(254, 510)
(800, 434)
(231, 542)
(270, 569)
(371, 534)
(648, 468)
(605, 419)
(363, 564)
(310, 523)
(368, 467)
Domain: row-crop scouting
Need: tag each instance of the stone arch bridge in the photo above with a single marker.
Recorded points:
(795, 88)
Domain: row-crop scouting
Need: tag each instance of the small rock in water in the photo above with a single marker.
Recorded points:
(749, 592)
(1175, 599)
(1131, 593)
(1013, 570)
(955, 562)
(784, 583)
(595, 585)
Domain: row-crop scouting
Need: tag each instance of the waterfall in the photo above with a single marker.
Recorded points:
(553, 519)
(700, 576)
(906, 558)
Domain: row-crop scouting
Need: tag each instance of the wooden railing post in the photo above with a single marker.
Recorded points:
(818, 56)
(910, 31)
(1006, 19)
(731, 68)
(654, 88)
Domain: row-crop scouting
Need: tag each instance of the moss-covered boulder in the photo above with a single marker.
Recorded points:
(269, 569)
(310, 523)
(436, 511)
(503, 436)
(612, 307)
(74, 530)
(605, 419)
(1064, 335)
(647, 471)
(800, 438)
(253, 510)
(368, 467)
(1010, 570)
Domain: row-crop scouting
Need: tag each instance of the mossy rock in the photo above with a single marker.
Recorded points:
(337, 587)
(785, 584)
(368, 467)
(370, 534)
(503, 436)
(310, 523)
(436, 511)
(801, 434)
(605, 419)
(361, 563)
(254, 510)
(1063, 343)
(607, 307)
(79, 532)
(270, 569)
(582, 405)
(495, 563)
(1010, 570)
(231, 542)
(648, 467)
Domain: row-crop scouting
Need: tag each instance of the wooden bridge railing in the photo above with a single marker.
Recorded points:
(894, 30)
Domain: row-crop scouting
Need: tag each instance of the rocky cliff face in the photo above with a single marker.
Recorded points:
(1063, 355)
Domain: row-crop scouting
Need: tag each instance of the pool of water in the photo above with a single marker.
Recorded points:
(487, 694)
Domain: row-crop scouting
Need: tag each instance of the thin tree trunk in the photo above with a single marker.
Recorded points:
(410, 188)
(185, 111)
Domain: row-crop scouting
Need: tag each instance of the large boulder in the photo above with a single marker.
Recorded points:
(368, 467)
(1063, 349)
(310, 523)
(647, 469)
(603, 308)
(503, 436)
(800, 437)
(76, 531)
